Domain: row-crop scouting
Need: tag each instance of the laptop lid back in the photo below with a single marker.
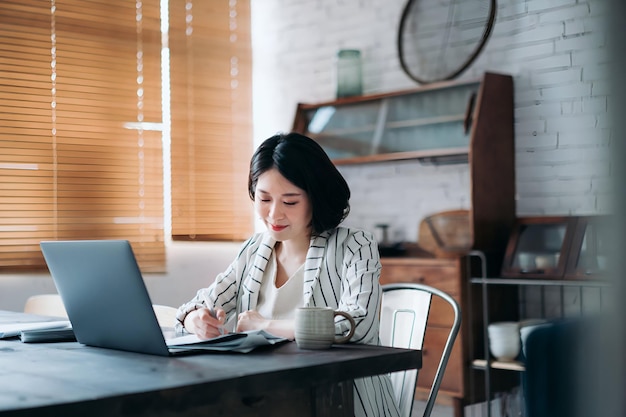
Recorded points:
(104, 294)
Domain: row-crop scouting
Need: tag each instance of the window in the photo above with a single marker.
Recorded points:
(81, 153)
(211, 107)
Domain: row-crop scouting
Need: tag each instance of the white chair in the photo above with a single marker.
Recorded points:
(45, 305)
(166, 315)
(404, 314)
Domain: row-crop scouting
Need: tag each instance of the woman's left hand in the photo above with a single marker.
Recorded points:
(251, 320)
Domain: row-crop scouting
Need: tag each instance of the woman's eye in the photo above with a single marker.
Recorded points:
(291, 203)
(264, 200)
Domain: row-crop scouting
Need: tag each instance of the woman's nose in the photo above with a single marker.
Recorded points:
(275, 211)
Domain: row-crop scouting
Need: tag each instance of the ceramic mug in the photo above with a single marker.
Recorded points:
(315, 327)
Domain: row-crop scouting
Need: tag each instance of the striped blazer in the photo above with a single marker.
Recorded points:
(341, 271)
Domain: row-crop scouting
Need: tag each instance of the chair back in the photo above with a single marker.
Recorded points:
(166, 315)
(560, 380)
(403, 322)
(52, 305)
(45, 305)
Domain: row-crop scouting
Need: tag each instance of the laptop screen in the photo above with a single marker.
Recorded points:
(104, 294)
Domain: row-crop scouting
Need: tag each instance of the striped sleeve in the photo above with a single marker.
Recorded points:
(360, 287)
(224, 291)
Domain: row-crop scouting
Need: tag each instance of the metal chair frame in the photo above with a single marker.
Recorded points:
(405, 382)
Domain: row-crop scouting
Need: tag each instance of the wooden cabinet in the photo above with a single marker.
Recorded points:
(469, 122)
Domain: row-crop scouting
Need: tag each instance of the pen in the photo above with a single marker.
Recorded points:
(221, 327)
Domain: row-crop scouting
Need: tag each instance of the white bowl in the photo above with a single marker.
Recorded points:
(503, 327)
(503, 330)
(513, 338)
(505, 351)
(504, 340)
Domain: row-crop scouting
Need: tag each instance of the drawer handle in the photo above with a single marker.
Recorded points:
(421, 279)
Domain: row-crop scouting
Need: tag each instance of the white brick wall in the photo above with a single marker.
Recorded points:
(401, 193)
(555, 50)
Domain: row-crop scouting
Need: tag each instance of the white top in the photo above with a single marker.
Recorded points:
(280, 303)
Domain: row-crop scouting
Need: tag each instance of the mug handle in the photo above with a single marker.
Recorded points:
(344, 339)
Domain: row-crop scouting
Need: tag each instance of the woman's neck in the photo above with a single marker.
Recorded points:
(294, 249)
(290, 256)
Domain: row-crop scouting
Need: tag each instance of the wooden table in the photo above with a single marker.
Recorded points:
(63, 379)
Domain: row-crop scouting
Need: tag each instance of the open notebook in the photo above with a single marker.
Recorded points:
(108, 304)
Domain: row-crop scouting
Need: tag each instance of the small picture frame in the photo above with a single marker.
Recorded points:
(538, 247)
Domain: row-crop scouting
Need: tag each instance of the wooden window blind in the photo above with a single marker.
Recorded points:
(211, 113)
(78, 79)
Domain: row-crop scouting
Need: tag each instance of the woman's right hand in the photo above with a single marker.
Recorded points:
(206, 323)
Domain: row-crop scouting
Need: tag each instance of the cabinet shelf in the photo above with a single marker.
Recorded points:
(506, 365)
(492, 312)
(434, 156)
(539, 282)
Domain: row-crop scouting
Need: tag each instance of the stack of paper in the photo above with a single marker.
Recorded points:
(63, 334)
(15, 329)
(242, 342)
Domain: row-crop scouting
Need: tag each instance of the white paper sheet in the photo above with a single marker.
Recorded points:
(234, 342)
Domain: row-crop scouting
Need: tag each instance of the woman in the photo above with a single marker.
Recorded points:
(303, 259)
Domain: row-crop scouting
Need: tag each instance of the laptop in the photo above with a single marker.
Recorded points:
(106, 298)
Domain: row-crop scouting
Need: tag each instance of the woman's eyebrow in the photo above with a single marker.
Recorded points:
(294, 194)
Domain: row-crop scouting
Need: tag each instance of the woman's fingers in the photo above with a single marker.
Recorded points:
(250, 320)
(208, 324)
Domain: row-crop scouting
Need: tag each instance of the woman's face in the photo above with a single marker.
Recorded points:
(284, 208)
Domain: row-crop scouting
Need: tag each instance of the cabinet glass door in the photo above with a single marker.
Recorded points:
(426, 123)
(590, 249)
(345, 131)
(428, 120)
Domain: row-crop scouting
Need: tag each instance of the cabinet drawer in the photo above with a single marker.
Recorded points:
(434, 342)
(443, 277)
(441, 313)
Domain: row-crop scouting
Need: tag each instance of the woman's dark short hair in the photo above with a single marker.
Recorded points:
(304, 163)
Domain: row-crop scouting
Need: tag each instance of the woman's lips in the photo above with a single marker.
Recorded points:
(277, 228)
